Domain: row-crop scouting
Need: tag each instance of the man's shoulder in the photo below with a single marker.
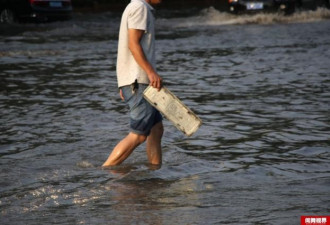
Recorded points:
(133, 5)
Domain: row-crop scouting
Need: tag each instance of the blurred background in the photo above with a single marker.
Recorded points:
(48, 10)
(169, 4)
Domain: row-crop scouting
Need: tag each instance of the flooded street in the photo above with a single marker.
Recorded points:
(260, 83)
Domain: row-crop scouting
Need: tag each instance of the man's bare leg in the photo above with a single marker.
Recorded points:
(154, 149)
(124, 148)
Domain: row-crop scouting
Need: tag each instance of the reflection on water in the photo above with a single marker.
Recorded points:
(260, 83)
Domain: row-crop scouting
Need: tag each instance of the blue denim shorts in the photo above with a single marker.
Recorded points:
(143, 116)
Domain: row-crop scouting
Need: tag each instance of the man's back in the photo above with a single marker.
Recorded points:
(137, 15)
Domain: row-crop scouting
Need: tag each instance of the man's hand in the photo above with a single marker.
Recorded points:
(121, 94)
(155, 80)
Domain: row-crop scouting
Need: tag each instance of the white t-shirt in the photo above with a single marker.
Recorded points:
(137, 15)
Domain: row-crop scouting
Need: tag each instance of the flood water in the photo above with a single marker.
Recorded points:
(260, 83)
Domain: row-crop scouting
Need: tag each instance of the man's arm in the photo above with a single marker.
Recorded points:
(134, 37)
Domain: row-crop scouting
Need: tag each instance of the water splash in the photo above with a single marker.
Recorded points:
(213, 17)
(85, 164)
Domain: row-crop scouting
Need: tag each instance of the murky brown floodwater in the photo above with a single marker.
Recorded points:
(260, 83)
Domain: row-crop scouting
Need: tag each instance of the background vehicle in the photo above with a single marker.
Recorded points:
(38, 10)
(311, 4)
(286, 6)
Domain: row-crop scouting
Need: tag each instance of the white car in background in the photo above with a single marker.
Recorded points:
(286, 6)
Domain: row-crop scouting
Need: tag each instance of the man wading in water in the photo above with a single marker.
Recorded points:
(135, 71)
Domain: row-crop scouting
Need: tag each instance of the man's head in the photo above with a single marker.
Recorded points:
(154, 2)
